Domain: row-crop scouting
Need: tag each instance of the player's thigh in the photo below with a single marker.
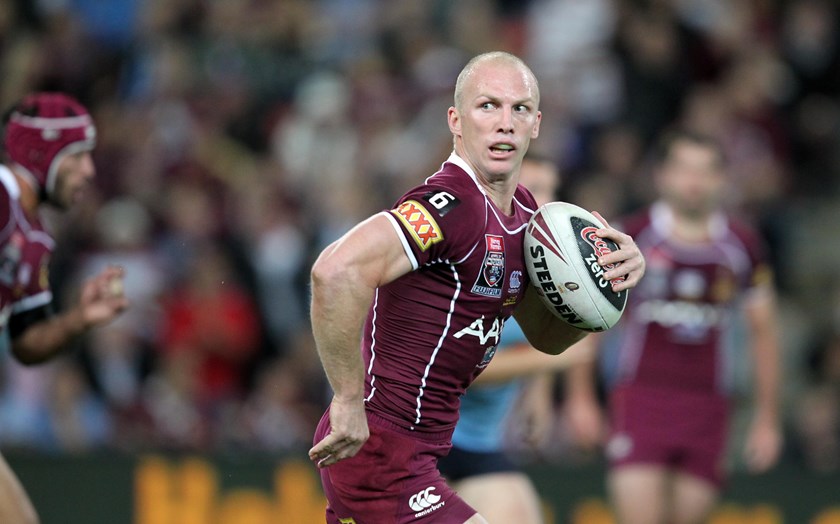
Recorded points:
(638, 493)
(693, 499)
(15, 505)
(502, 497)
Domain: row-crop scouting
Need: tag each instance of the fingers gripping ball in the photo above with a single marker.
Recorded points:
(561, 254)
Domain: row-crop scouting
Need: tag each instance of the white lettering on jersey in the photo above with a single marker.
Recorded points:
(670, 313)
(476, 329)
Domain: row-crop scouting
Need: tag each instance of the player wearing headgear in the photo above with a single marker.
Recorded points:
(47, 142)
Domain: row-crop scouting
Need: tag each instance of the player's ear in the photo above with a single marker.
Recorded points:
(454, 120)
(535, 132)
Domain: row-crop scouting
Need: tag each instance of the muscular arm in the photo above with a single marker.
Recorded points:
(764, 440)
(344, 279)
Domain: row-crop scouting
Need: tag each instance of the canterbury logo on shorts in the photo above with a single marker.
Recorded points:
(425, 502)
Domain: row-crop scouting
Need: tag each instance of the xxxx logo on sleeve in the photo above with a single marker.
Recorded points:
(419, 223)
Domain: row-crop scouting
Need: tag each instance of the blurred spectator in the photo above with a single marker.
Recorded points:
(817, 411)
(117, 355)
(277, 248)
(277, 416)
(211, 324)
(262, 130)
(172, 414)
(72, 419)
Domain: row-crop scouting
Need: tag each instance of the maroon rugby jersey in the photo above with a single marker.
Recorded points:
(432, 331)
(671, 333)
(25, 250)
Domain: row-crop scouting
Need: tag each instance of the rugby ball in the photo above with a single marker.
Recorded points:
(561, 254)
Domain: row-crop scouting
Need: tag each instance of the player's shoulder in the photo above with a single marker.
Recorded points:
(445, 211)
(634, 222)
(741, 227)
(740, 232)
(523, 197)
(458, 182)
(449, 195)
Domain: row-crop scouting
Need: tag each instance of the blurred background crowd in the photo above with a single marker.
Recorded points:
(237, 138)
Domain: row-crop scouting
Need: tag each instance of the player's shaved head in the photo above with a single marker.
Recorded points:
(493, 57)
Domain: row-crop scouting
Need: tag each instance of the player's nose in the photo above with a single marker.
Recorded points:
(506, 120)
(87, 167)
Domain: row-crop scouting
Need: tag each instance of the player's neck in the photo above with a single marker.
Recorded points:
(501, 193)
(691, 228)
(499, 189)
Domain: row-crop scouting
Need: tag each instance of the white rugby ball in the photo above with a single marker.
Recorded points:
(561, 254)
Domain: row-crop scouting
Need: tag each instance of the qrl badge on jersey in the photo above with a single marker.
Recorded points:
(493, 270)
(419, 223)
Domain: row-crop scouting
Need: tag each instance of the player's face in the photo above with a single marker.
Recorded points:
(498, 118)
(691, 179)
(541, 179)
(75, 173)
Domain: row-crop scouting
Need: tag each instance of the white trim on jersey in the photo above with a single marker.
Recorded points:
(372, 347)
(32, 301)
(7, 178)
(460, 162)
(501, 223)
(720, 235)
(440, 342)
(401, 236)
(41, 236)
(523, 206)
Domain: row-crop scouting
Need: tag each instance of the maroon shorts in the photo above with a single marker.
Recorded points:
(682, 431)
(392, 480)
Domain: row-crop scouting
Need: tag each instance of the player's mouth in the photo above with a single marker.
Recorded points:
(502, 149)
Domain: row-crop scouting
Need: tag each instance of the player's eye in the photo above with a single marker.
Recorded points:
(487, 105)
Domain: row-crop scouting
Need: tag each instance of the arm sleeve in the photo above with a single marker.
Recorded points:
(437, 224)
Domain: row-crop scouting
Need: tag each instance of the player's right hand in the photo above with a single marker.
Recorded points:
(102, 298)
(348, 433)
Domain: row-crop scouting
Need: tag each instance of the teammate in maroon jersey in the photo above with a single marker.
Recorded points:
(47, 139)
(668, 394)
(426, 288)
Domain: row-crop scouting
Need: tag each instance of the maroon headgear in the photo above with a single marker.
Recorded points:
(42, 129)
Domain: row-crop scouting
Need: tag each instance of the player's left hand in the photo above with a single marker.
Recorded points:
(763, 446)
(628, 259)
(102, 297)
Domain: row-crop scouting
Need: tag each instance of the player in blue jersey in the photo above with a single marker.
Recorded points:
(478, 465)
